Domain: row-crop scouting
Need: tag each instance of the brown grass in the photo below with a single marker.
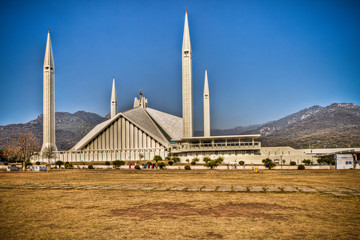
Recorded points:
(332, 178)
(118, 214)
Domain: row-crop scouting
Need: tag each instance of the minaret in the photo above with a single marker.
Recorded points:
(49, 98)
(206, 107)
(113, 101)
(187, 82)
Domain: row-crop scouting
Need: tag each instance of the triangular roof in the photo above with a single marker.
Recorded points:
(151, 121)
(171, 124)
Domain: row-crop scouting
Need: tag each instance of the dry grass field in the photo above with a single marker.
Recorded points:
(141, 214)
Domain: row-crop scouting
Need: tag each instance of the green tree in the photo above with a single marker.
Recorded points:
(176, 159)
(328, 160)
(206, 159)
(307, 161)
(214, 163)
(242, 163)
(59, 163)
(118, 163)
(268, 163)
(157, 158)
(194, 161)
(292, 163)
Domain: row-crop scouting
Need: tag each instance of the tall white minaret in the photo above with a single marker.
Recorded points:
(187, 82)
(206, 107)
(49, 97)
(113, 100)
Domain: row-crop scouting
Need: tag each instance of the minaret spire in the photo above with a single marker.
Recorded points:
(48, 98)
(206, 107)
(113, 100)
(187, 81)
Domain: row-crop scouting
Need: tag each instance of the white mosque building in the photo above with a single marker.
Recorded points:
(142, 132)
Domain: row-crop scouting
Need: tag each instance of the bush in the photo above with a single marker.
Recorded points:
(268, 163)
(161, 165)
(193, 163)
(107, 163)
(301, 167)
(187, 160)
(137, 166)
(68, 165)
(118, 163)
(6, 163)
(214, 163)
(292, 163)
(170, 163)
(176, 159)
(242, 163)
(90, 167)
(157, 158)
(28, 164)
(37, 163)
(187, 167)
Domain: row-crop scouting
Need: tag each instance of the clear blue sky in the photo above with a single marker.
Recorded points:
(265, 59)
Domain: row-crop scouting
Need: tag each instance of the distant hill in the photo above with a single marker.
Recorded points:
(70, 128)
(336, 125)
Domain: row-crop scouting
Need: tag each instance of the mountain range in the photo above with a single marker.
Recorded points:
(336, 125)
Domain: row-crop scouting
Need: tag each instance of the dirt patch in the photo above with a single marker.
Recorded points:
(230, 209)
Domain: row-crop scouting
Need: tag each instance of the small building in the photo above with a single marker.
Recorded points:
(344, 161)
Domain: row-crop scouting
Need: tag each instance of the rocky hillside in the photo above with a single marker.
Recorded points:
(70, 128)
(336, 125)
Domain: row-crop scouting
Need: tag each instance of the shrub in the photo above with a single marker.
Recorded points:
(301, 167)
(118, 163)
(307, 161)
(137, 166)
(292, 163)
(242, 163)
(268, 163)
(37, 163)
(107, 163)
(187, 167)
(6, 163)
(90, 167)
(59, 163)
(68, 165)
(28, 164)
(170, 163)
(157, 158)
(193, 163)
(176, 159)
(187, 160)
(168, 158)
(206, 159)
(161, 165)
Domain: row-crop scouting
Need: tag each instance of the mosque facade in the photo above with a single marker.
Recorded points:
(142, 132)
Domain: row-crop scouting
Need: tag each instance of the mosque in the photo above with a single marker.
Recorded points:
(142, 132)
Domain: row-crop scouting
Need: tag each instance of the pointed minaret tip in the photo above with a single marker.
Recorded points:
(48, 30)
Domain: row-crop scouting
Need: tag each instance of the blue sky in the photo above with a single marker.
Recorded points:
(265, 59)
